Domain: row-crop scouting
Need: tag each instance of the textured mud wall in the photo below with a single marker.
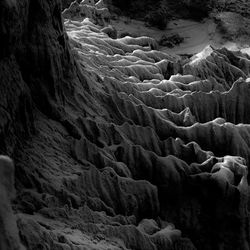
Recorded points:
(35, 63)
(116, 145)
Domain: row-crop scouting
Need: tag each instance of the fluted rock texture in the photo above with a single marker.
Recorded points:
(117, 145)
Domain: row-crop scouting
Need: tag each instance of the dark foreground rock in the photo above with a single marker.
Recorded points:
(116, 145)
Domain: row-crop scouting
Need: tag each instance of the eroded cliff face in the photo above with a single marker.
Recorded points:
(116, 145)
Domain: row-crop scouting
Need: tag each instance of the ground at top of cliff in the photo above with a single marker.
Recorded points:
(196, 35)
(196, 24)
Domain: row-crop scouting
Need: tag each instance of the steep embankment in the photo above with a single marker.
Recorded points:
(113, 148)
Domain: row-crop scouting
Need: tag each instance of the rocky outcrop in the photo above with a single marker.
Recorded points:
(9, 237)
(35, 61)
(117, 145)
(96, 11)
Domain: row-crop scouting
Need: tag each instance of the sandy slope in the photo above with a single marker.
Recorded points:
(196, 36)
(136, 28)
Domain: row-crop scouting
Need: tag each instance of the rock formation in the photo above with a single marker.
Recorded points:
(97, 12)
(117, 145)
(9, 238)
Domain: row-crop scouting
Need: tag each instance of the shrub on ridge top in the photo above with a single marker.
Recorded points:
(157, 18)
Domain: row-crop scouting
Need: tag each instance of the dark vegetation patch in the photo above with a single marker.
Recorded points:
(171, 41)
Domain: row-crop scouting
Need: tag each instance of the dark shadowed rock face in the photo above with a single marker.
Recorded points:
(35, 61)
(116, 145)
(16, 112)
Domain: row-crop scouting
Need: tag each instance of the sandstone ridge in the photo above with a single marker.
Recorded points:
(117, 145)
